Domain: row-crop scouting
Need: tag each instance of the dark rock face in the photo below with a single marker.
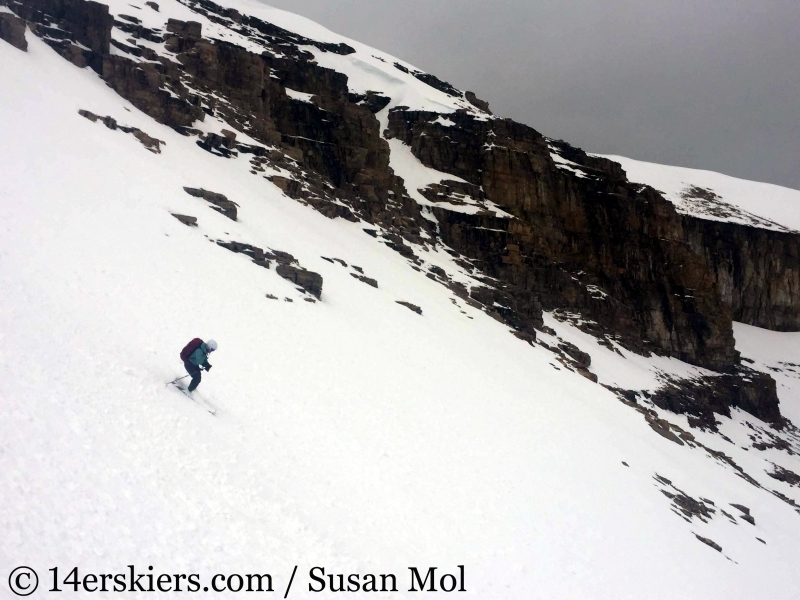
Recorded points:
(785, 475)
(477, 102)
(12, 30)
(86, 22)
(670, 281)
(145, 86)
(220, 202)
(190, 30)
(335, 144)
(429, 79)
(753, 392)
(757, 271)
(372, 100)
(64, 24)
(581, 358)
(573, 236)
(134, 28)
(307, 280)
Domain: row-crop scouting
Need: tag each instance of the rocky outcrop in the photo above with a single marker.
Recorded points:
(220, 202)
(12, 30)
(477, 102)
(753, 392)
(149, 142)
(186, 219)
(595, 244)
(785, 475)
(757, 271)
(709, 542)
(155, 89)
(287, 266)
(306, 280)
(80, 30)
(332, 137)
(409, 306)
(364, 279)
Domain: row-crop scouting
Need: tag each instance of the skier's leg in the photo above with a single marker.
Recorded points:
(194, 371)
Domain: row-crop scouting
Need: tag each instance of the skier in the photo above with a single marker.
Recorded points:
(195, 358)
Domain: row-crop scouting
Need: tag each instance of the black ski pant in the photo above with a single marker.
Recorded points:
(194, 371)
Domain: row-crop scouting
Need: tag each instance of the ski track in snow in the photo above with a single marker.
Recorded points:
(351, 433)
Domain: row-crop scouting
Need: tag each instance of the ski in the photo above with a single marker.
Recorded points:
(201, 404)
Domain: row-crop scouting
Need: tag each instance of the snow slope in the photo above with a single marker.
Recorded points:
(718, 197)
(351, 433)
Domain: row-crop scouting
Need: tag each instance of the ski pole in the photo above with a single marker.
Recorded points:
(178, 379)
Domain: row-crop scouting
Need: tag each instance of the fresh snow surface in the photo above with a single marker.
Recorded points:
(619, 367)
(730, 199)
(351, 433)
(566, 164)
(443, 121)
(778, 355)
(301, 96)
(417, 176)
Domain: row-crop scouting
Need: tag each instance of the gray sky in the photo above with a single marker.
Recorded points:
(711, 84)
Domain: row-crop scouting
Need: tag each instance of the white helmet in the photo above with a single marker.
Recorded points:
(211, 345)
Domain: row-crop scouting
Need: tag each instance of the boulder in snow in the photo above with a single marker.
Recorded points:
(12, 30)
(220, 202)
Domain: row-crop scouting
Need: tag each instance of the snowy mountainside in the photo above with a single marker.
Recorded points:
(718, 197)
(351, 432)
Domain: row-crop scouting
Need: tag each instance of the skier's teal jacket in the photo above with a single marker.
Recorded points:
(200, 356)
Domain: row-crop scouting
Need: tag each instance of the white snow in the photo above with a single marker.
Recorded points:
(417, 176)
(566, 164)
(443, 121)
(739, 201)
(301, 96)
(351, 433)
(619, 367)
(367, 69)
(778, 355)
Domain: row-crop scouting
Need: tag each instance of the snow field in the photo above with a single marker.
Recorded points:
(749, 202)
(351, 434)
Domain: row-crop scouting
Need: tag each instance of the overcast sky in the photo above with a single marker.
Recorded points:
(711, 84)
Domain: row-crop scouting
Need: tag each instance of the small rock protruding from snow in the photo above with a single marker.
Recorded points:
(412, 307)
(477, 102)
(745, 516)
(186, 219)
(709, 542)
(363, 278)
(221, 203)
